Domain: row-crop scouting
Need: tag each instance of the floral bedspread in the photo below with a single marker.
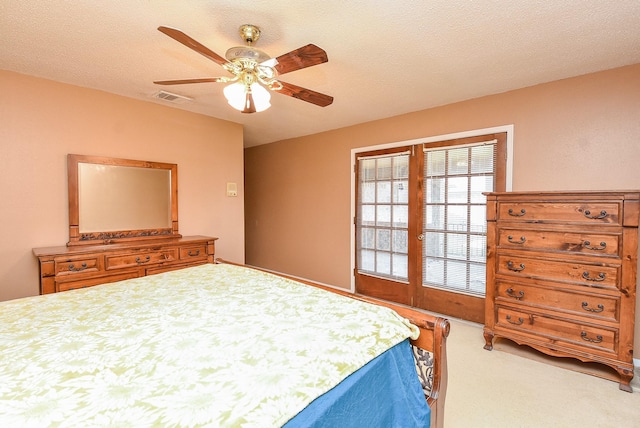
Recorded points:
(213, 345)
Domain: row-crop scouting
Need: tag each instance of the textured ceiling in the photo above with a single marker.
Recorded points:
(385, 57)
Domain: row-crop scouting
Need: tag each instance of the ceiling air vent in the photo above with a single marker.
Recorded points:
(172, 98)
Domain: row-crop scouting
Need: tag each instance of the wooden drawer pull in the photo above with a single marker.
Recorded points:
(515, 214)
(598, 338)
(601, 276)
(585, 306)
(588, 246)
(521, 241)
(519, 322)
(193, 253)
(72, 268)
(602, 215)
(511, 267)
(146, 260)
(518, 296)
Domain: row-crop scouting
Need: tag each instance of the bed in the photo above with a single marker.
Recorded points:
(219, 345)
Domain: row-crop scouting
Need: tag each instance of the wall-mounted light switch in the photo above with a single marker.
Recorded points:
(232, 189)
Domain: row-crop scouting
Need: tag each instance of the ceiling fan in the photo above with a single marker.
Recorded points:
(254, 72)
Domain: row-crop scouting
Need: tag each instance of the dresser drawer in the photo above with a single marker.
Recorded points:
(171, 267)
(585, 212)
(550, 240)
(570, 271)
(594, 306)
(90, 282)
(141, 258)
(77, 265)
(557, 330)
(193, 252)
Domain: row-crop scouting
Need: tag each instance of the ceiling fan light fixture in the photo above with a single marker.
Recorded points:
(236, 95)
(261, 97)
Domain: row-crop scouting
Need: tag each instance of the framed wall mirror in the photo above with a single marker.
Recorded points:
(113, 200)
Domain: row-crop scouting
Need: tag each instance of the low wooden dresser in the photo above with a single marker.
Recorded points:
(65, 268)
(561, 274)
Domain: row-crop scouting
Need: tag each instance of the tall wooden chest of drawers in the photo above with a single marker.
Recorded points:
(561, 274)
(66, 268)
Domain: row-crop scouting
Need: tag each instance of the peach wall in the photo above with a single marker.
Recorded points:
(581, 133)
(43, 121)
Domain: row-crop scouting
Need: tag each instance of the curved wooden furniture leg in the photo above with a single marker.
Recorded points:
(625, 379)
(488, 339)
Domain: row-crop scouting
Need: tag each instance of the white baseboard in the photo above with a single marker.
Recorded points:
(636, 363)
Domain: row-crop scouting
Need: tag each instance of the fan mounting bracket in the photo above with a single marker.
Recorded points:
(249, 33)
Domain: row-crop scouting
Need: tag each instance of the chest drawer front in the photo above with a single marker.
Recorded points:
(571, 333)
(90, 282)
(77, 265)
(601, 307)
(574, 272)
(548, 240)
(587, 212)
(142, 258)
(193, 252)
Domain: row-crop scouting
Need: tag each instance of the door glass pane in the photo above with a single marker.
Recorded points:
(458, 189)
(368, 193)
(456, 275)
(383, 263)
(457, 218)
(400, 241)
(435, 162)
(383, 215)
(434, 244)
(401, 192)
(400, 266)
(400, 216)
(478, 214)
(458, 161)
(433, 271)
(435, 190)
(434, 217)
(477, 248)
(384, 192)
(368, 214)
(383, 170)
(367, 260)
(477, 278)
(383, 241)
(482, 160)
(368, 238)
(456, 246)
(479, 184)
(401, 167)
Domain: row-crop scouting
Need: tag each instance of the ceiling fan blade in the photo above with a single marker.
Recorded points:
(183, 81)
(303, 57)
(305, 94)
(181, 37)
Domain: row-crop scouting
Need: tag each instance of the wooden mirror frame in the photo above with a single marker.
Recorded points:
(110, 237)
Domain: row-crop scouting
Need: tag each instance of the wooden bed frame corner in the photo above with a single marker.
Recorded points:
(434, 331)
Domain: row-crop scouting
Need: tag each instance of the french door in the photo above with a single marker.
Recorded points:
(420, 223)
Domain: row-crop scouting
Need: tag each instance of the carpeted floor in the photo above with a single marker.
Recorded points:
(500, 388)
